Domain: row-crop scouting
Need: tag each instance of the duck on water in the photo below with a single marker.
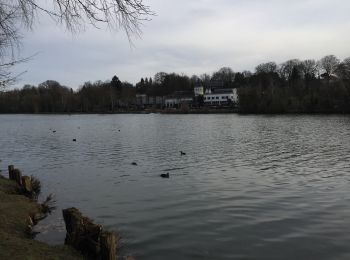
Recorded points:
(165, 175)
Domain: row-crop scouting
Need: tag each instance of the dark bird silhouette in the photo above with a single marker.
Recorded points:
(54, 131)
(134, 163)
(182, 153)
(74, 140)
(165, 175)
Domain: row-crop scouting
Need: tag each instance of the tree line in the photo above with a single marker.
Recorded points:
(297, 86)
(51, 97)
(300, 86)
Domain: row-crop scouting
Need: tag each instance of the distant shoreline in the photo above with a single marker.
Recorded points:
(180, 112)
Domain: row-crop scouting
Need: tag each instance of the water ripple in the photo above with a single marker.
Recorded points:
(249, 187)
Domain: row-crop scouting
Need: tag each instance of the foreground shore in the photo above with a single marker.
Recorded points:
(15, 240)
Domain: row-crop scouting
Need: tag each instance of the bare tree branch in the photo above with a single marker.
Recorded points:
(75, 15)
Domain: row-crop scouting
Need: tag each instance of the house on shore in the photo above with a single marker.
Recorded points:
(145, 101)
(215, 96)
(221, 97)
(141, 99)
(198, 91)
(180, 99)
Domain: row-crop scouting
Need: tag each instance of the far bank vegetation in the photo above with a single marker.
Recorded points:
(300, 86)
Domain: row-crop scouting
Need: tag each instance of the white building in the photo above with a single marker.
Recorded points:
(198, 91)
(220, 97)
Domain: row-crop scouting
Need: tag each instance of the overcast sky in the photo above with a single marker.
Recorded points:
(191, 37)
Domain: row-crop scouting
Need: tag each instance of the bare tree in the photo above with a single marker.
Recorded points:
(287, 68)
(224, 75)
(9, 40)
(309, 68)
(329, 64)
(159, 78)
(127, 15)
(195, 80)
(268, 67)
(343, 69)
(346, 63)
(75, 14)
(205, 78)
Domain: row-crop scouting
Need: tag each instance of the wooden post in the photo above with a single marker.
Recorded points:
(72, 218)
(108, 246)
(88, 237)
(82, 233)
(17, 175)
(11, 169)
(27, 184)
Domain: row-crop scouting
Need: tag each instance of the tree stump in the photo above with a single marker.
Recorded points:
(82, 233)
(11, 169)
(108, 246)
(27, 184)
(17, 176)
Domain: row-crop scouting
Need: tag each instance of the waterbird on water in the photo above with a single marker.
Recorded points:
(182, 153)
(134, 163)
(54, 131)
(74, 140)
(165, 175)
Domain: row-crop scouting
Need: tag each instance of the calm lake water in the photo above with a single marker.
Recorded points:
(249, 187)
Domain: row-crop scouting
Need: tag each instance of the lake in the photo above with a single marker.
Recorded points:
(249, 187)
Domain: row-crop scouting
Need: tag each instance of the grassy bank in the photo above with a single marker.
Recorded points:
(15, 242)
